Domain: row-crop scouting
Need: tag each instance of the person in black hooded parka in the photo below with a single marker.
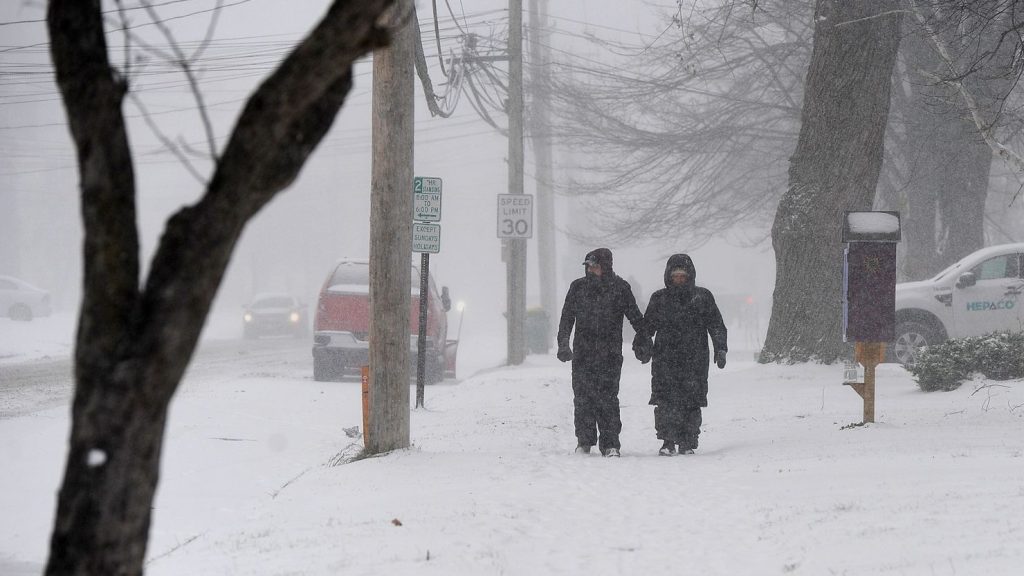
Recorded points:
(679, 319)
(596, 304)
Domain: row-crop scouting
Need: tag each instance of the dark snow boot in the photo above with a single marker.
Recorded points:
(689, 445)
(667, 449)
(611, 453)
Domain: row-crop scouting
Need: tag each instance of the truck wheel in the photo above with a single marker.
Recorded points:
(911, 337)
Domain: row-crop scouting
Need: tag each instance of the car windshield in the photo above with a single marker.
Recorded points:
(273, 302)
(351, 274)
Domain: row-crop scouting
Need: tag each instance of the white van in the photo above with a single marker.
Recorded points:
(981, 293)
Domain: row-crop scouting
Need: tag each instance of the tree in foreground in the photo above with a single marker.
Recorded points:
(835, 168)
(136, 336)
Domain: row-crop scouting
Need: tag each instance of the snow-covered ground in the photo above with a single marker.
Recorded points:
(255, 479)
(52, 337)
(41, 338)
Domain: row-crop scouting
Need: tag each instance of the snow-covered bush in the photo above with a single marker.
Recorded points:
(997, 356)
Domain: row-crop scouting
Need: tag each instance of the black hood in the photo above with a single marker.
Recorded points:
(602, 256)
(680, 261)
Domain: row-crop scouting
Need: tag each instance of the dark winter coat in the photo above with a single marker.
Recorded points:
(680, 318)
(596, 305)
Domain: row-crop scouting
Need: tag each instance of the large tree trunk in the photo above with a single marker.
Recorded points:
(133, 345)
(834, 169)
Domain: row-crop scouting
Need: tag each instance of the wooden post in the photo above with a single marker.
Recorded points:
(515, 267)
(365, 372)
(869, 354)
(391, 204)
(541, 142)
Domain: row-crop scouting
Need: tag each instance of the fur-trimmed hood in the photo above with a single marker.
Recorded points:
(680, 261)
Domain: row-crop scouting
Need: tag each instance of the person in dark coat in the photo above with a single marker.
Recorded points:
(596, 304)
(679, 319)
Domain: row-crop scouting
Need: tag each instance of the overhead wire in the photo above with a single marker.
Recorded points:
(475, 69)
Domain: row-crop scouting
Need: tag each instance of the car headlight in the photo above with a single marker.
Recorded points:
(294, 317)
(247, 317)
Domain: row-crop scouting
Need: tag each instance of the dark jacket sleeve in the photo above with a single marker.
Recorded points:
(652, 316)
(568, 318)
(715, 325)
(636, 319)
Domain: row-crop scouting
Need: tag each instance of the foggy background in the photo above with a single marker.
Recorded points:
(291, 245)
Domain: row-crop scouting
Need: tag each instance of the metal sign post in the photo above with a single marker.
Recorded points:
(421, 341)
(426, 239)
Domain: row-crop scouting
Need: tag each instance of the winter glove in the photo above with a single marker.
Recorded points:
(643, 348)
(720, 358)
(564, 353)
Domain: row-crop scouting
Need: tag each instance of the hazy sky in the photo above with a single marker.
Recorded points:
(291, 244)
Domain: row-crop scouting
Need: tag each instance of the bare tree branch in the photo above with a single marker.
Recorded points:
(167, 142)
(985, 129)
(186, 67)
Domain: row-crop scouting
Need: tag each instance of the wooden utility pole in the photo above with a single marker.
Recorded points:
(391, 237)
(540, 140)
(515, 265)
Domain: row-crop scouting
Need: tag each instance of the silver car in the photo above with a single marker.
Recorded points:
(20, 300)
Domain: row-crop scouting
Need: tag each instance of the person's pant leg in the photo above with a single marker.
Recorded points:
(691, 421)
(584, 404)
(609, 421)
(668, 422)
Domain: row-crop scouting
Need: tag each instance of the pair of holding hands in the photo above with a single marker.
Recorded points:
(643, 349)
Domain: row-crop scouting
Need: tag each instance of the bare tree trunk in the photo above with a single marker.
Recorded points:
(949, 165)
(962, 200)
(133, 345)
(391, 203)
(834, 168)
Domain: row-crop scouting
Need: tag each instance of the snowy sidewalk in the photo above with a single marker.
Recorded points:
(780, 485)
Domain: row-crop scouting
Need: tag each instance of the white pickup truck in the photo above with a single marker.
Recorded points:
(983, 292)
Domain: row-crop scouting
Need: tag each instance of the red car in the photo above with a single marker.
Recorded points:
(341, 338)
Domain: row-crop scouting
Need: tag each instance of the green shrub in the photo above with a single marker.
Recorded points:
(997, 356)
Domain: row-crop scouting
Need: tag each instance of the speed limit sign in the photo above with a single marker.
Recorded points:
(515, 216)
